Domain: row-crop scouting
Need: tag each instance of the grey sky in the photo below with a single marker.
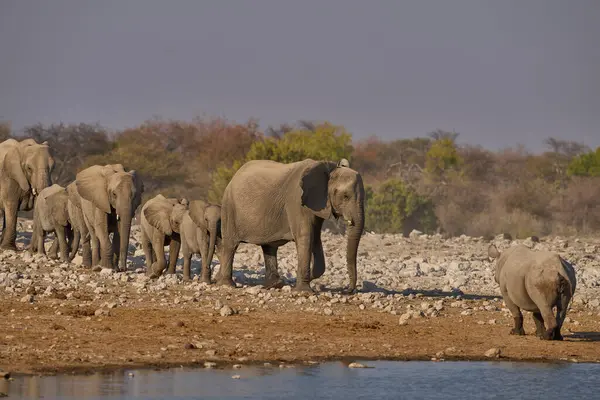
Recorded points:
(501, 72)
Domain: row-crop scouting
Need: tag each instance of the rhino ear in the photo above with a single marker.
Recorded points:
(197, 208)
(93, 186)
(493, 251)
(158, 213)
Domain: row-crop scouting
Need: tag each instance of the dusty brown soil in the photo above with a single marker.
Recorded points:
(55, 334)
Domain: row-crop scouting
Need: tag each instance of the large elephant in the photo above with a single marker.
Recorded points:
(200, 234)
(50, 215)
(25, 170)
(269, 204)
(109, 198)
(161, 219)
(80, 230)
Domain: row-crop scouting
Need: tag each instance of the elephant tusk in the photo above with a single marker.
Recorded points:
(349, 222)
(118, 217)
(34, 192)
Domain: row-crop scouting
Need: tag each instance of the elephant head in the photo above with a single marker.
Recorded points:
(165, 214)
(116, 192)
(30, 164)
(207, 217)
(337, 190)
(56, 198)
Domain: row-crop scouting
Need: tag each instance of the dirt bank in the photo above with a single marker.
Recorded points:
(417, 300)
(57, 334)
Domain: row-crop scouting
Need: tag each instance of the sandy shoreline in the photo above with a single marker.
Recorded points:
(421, 298)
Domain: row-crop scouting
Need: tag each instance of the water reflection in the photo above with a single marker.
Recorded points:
(465, 380)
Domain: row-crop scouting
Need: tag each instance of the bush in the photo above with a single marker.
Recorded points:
(394, 207)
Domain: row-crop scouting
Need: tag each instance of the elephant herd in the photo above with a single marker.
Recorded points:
(266, 203)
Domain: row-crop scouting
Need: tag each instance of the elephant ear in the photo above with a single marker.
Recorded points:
(197, 209)
(158, 213)
(57, 205)
(73, 194)
(51, 190)
(92, 186)
(14, 168)
(314, 184)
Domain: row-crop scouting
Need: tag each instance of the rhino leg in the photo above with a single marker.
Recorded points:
(539, 324)
(550, 322)
(516, 313)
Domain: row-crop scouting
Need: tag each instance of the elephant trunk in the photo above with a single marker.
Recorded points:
(213, 232)
(124, 232)
(74, 243)
(41, 181)
(354, 233)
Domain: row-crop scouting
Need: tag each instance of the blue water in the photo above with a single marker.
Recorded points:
(388, 380)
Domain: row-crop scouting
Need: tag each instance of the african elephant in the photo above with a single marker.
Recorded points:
(50, 215)
(200, 231)
(269, 204)
(161, 219)
(80, 230)
(25, 170)
(535, 281)
(109, 199)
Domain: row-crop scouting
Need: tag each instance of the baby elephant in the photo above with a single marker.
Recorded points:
(200, 233)
(50, 215)
(535, 281)
(160, 219)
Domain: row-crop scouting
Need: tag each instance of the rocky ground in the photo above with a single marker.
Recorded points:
(422, 297)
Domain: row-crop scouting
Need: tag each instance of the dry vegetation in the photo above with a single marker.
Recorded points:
(431, 183)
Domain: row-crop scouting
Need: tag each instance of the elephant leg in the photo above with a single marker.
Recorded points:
(272, 278)
(61, 238)
(86, 249)
(105, 250)
(116, 249)
(9, 235)
(39, 238)
(95, 248)
(174, 247)
(147, 247)
(318, 258)
(225, 275)
(187, 259)
(304, 241)
(159, 249)
(539, 324)
(206, 272)
(53, 250)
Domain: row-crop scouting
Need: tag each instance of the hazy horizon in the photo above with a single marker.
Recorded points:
(500, 73)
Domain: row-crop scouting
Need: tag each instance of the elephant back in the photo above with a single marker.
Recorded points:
(51, 190)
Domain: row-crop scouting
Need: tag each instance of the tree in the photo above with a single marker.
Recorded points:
(441, 157)
(440, 134)
(71, 145)
(5, 131)
(587, 164)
